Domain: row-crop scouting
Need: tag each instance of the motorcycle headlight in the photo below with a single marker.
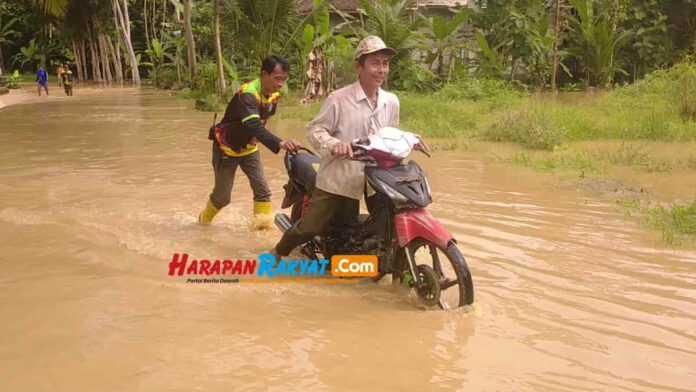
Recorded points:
(427, 186)
(393, 193)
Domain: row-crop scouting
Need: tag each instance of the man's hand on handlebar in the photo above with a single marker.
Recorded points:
(291, 145)
(342, 150)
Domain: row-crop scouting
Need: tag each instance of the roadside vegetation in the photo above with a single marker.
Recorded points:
(572, 87)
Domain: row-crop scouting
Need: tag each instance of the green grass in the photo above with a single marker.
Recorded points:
(579, 162)
(31, 77)
(661, 108)
(676, 222)
(533, 128)
(456, 110)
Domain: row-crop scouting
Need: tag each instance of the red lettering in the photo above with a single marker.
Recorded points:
(237, 267)
(215, 269)
(177, 264)
(249, 267)
(227, 266)
(205, 264)
(193, 268)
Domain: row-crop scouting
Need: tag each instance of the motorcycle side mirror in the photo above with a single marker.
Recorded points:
(425, 152)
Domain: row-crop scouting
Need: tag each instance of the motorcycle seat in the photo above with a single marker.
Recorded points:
(303, 169)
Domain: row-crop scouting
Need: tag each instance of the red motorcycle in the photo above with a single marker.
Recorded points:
(410, 244)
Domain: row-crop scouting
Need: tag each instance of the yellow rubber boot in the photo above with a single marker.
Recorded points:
(262, 215)
(208, 213)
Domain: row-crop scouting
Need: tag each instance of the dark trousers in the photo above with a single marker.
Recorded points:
(225, 167)
(324, 208)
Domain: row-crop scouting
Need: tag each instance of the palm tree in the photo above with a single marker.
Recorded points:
(263, 27)
(6, 34)
(57, 8)
(392, 21)
(598, 43)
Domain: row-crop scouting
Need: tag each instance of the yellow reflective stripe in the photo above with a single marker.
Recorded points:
(250, 148)
(249, 117)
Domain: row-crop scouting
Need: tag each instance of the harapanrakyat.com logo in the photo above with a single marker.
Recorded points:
(266, 268)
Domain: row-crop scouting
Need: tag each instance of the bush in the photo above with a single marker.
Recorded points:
(673, 86)
(532, 128)
(478, 89)
(166, 78)
(410, 76)
(10, 81)
(675, 222)
(209, 103)
(684, 95)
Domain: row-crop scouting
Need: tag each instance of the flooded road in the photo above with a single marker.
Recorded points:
(97, 192)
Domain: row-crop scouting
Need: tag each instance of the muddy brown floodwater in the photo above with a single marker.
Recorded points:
(97, 192)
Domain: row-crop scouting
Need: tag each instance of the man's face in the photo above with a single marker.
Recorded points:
(375, 70)
(274, 81)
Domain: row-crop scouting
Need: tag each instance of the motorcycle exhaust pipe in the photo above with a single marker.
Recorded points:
(282, 222)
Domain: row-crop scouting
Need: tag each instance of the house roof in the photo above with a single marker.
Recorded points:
(341, 5)
(441, 3)
(305, 6)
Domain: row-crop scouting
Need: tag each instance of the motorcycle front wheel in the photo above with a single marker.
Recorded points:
(456, 284)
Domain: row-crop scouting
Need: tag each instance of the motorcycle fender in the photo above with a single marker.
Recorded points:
(418, 222)
(292, 195)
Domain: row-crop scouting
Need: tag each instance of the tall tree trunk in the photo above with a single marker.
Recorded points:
(218, 49)
(440, 63)
(147, 28)
(80, 70)
(164, 16)
(190, 43)
(116, 59)
(95, 62)
(154, 17)
(104, 54)
(77, 61)
(120, 8)
(84, 60)
(2, 62)
(96, 72)
(557, 37)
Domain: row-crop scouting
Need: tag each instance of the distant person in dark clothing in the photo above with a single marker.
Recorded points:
(42, 79)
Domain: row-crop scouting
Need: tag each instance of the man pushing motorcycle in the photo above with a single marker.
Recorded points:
(353, 112)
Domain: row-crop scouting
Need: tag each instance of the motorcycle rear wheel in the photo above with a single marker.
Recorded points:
(456, 284)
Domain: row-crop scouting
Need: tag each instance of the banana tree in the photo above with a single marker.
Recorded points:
(322, 48)
(490, 61)
(6, 36)
(28, 56)
(158, 54)
(443, 37)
